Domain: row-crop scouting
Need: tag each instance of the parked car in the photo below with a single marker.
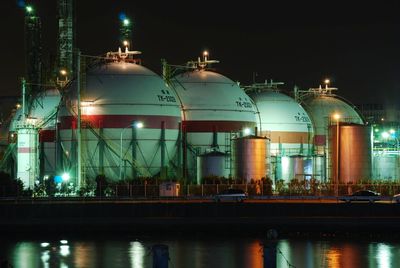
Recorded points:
(396, 198)
(362, 195)
(237, 195)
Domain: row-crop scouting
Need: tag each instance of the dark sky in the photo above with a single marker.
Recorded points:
(297, 42)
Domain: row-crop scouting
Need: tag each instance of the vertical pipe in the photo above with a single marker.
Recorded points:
(184, 145)
(215, 138)
(101, 151)
(41, 158)
(180, 151)
(134, 153)
(162, 145)
(79, 138)
(24, 98)
(120, 155)
(337, 158)
(59, 155)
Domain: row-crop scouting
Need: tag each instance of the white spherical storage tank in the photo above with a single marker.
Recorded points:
(44, 109)
(213, 108)
(323, 108)
(129, 123)
(288, 127)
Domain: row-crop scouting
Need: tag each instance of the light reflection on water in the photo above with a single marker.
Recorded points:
(199, 252)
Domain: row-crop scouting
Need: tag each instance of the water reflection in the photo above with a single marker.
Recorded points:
(198, 252)
(137, 252)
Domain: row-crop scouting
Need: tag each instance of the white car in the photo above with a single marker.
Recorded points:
(231, 195)
(396, 198)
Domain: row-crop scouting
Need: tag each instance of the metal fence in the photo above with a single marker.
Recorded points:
(206, 190)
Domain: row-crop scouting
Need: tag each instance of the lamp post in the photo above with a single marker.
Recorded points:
(336, 116)
(394, 136)
(135, 125)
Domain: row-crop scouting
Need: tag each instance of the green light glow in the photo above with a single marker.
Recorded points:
(126, 22)
(29, 9)
(65, 177)
(385, 135)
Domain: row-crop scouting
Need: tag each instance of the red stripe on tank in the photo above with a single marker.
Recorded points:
(218, 126)
(120, 121)
(319, 140)
(47, 135)
(26, 150)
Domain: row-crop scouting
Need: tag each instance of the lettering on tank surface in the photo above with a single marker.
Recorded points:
(302, 118)
(165, 96)
(244, 103)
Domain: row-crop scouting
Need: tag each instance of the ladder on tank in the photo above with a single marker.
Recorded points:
(228, 151)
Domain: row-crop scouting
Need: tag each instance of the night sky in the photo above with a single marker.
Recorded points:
(357, 46)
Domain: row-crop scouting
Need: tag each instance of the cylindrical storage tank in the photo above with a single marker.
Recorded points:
(318, 167)
(286, 124)
(27, 155)
(386, 166)
(130, 123)
(249, 158)
(308, 168)
(351, 153)
(297, 167)
(42, 114)
(292, 167)
(322, 108)
(212, 164)
(213, 108)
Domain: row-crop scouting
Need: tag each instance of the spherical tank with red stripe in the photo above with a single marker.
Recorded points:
(126, 104)
(213, 107)
(284, 122)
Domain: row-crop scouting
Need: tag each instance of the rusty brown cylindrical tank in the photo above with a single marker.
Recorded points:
(352, 156)
(250, 157)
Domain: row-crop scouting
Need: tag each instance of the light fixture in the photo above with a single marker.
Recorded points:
(246, 131)
(385, 135)
(336, 116)
(139, 125)
(63, 72)
(65, 177)
(29, 9)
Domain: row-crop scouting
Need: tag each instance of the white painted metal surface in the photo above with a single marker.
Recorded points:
(27, 157)
(284, 121)
(114, 96)
(211, 103)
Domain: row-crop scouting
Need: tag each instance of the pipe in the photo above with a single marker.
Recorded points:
(78, 136)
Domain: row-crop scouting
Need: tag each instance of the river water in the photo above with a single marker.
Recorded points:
(199, 251)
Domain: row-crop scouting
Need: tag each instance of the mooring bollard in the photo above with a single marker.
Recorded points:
(270, 246)
(160, 256)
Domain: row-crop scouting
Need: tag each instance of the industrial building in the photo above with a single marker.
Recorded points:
(110, 116)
